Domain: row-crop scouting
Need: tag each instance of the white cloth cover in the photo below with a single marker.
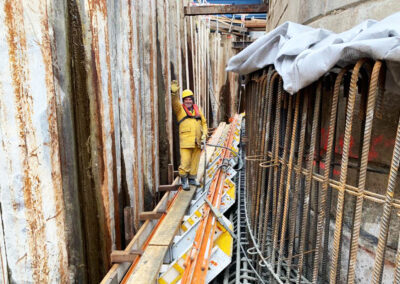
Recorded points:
(302, 54)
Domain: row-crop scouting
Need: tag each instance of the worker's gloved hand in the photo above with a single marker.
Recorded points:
(203, 141)
(174, 86)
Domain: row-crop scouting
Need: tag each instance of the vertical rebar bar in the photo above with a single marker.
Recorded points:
(363, 169)
(397, 268)
(328, 159)
(387, 209)
(264, 150)
(298, 176)
(260, 190)
(274, 77)
(308, 180)
(343, 170)
(288, 182)
(281, 181)
(276, 159)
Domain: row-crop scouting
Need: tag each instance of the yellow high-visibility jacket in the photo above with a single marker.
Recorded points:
(190, 130)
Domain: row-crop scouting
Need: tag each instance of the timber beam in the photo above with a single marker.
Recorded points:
(168, 187)
(225, 9)
(227, 27)
(150, 215)
(118, 256)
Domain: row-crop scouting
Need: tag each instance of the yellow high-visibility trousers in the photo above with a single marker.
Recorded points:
(189, 161)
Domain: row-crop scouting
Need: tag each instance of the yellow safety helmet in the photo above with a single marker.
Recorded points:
(186, 93)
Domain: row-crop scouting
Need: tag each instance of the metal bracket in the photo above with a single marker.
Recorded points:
(218, 214)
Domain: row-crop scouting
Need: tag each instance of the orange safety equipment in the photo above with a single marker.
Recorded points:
(192, 124)
(190, 114)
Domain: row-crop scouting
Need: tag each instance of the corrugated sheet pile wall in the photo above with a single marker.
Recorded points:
(86, 127)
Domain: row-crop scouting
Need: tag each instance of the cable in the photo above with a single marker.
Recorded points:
(218, 146)
(240, 159)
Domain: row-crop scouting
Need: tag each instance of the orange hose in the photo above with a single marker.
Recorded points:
(206, 230)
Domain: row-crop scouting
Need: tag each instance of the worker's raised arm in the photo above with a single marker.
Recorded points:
(176, 105)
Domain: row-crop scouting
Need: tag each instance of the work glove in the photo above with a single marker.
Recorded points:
(203, 142)
(174, 86)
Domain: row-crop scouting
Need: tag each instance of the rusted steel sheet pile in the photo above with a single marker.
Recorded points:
(33, 236)
(85, 128)
(322, 196)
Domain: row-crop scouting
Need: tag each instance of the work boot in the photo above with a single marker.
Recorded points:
(185, 183)
(193, 181)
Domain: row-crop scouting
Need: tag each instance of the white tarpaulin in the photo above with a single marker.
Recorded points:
(302, 54)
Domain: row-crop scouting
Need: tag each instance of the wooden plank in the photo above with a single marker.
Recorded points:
(129, 223)
(151, 260)
(118, 270)
(170, 225)
(168, 187)
(225, 9)
(170, 173)
(255, 24)
(227, 27)
(151, 215)
(147, 269)
(118, 256)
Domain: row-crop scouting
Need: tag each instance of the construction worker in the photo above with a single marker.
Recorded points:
(192, 132)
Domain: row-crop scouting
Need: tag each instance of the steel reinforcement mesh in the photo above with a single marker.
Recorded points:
(320, 185)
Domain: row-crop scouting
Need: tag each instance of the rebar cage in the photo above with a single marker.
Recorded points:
(321, 173)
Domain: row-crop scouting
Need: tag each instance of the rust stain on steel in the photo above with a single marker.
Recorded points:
(134, 114)
(117, 238)
(167, 76)
(104, 100)
(54, 146)
(136, 105)
(154, 102)
(32, 197)
(313, 250)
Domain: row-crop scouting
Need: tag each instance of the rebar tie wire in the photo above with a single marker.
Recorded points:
(271, 270)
